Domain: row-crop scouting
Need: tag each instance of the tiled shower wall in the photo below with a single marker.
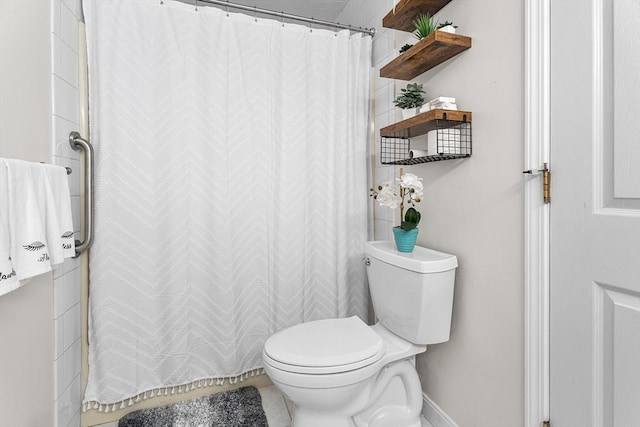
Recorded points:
(369, 13)
(65, 118)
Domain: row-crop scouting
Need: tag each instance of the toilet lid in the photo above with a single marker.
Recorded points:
(325, 346)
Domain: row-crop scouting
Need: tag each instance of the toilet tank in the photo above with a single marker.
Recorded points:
(412, 293)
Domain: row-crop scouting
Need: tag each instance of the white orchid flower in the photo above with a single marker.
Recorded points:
(387, 197)
(412, 183)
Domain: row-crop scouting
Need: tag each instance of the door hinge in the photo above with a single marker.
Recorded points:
(546, 187)
(546, 424)
(546, 182)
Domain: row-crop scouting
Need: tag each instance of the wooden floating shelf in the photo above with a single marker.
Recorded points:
(429, 52)
(406, 11)
(423, 123)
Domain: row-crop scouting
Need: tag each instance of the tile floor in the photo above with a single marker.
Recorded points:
(276, 407)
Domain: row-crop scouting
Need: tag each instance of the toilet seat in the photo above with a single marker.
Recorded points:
(324, 347)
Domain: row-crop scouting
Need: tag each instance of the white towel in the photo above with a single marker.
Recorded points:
(27, 226)
(36, 228)
(59, 221)
(8, 278)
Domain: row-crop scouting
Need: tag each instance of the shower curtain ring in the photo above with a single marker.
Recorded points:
(227, 8)
(282, 15)
(196, 4)
(255, 13)
(311, 26)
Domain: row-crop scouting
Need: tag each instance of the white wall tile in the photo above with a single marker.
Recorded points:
(58, 338)
(55, 53)
(74, 6)
(76, 354)
(59, 287)
(72, 264)
(381, 43)
(55, 16)
(65, 100)
(74, 287)
(66, 66)
(71, 325)
(61, 147)
(76, 394)
(68, 369)
(58, 270)
(58, 379)
(66, 293)
(75, 421)
(382, 230)
(63, 409)
(68, 27)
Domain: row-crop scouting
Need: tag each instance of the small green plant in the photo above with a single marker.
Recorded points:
(446, 23)
(405, 48)
(425, 25)
(411, 97)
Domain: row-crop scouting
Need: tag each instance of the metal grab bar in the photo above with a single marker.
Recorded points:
(77, 143)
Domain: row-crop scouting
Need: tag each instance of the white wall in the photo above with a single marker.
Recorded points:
(473, 208)
(26, 327)
(40, 322)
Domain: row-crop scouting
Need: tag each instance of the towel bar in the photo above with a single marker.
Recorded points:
(77, 143)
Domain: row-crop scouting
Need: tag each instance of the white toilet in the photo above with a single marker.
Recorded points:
(343, 373)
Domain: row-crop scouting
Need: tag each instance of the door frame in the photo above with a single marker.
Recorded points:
(536, 221)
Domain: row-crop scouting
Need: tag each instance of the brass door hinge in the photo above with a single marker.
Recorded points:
(546, 188)
(546, 424)
(546, 184)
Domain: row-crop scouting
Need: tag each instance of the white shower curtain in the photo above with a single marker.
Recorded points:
(230, 190)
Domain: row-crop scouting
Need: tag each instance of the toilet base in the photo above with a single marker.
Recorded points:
(391, 399)
(302, 418)
(396, 399)
(391, 416)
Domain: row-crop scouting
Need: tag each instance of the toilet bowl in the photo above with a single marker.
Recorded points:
(344, 373)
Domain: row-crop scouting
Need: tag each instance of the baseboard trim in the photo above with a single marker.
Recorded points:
(434, 414)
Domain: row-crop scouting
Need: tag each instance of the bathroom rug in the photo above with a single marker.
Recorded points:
(232, 408)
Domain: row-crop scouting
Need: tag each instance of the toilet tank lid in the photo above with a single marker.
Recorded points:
(421, 260)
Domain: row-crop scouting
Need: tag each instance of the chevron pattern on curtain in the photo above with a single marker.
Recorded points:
(230, 190)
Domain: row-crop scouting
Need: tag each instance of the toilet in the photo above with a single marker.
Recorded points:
(344, 373)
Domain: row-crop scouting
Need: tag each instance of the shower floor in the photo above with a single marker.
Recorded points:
(276, 407)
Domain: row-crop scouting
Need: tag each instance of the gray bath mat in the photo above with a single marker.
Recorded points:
(233, 408)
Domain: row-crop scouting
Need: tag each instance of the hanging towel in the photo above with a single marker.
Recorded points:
(8, 278)
(35, 220)
(29, 251)
(59, 222)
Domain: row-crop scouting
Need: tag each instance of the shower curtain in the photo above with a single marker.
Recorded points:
(230, 191)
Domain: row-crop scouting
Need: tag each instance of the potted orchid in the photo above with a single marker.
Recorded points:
(410, 191)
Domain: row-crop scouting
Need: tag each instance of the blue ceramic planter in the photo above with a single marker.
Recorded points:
(405, 240)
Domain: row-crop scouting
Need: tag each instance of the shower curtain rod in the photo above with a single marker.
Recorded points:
(369, 31)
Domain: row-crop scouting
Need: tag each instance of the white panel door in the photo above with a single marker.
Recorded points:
(595, 213)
